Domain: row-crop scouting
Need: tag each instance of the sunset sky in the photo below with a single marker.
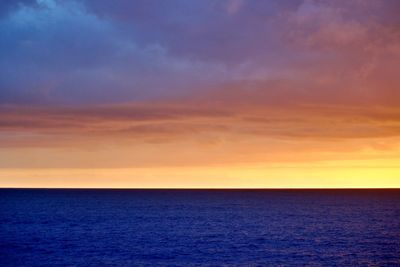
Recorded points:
(207, 93)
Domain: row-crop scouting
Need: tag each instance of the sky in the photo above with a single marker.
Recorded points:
(200, 94)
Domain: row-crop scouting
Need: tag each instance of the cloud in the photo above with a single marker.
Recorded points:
(100, 119)
(172, 122)
(98, 52)
(341, 25)
(67, 55)
(241, 80)
(9, 6)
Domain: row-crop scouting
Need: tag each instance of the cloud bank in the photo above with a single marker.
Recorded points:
(244, 81)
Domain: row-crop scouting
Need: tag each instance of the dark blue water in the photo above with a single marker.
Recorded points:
(199, 227)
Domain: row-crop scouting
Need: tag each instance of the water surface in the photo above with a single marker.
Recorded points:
(199, 227)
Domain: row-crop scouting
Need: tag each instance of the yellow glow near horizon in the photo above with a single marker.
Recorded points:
(195, 166)
(257, 176)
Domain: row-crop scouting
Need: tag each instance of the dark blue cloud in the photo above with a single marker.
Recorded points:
(8, 6)
(229, 30)
(101, 51)
(59, 51)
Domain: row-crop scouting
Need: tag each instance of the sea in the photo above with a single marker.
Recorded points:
(40, 227)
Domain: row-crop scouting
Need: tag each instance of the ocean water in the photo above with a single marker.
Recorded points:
(199, 227)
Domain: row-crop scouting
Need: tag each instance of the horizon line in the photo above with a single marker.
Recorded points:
(203, 188)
